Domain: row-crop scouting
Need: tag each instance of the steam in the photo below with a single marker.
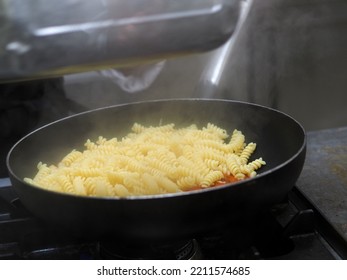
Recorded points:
(219, 61)
(225, 51)
(134, 79)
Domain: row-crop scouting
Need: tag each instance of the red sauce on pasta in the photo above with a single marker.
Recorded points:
(226, 180)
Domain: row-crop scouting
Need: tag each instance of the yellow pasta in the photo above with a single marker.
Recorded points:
(152, 160)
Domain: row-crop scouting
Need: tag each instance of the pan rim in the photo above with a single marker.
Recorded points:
(167, 195)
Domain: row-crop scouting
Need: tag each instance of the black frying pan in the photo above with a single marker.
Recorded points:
(281, 141)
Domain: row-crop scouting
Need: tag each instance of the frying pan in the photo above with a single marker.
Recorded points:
(281, 141)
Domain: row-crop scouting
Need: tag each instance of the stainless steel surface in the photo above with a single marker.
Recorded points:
(289, 54)
(41, 38)
(324, 176)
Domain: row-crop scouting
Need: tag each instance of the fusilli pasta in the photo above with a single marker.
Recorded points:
(151, 160)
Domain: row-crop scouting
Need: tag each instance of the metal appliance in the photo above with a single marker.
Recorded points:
(49, 38)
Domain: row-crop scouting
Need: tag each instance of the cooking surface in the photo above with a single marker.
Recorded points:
(324, 176)
(299, 231)
(290, 231)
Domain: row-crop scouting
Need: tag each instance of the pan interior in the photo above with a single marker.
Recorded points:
(278, 136)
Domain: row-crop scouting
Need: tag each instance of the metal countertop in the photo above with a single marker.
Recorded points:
(324, 176)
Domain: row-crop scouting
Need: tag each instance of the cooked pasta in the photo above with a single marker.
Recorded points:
(152, 160)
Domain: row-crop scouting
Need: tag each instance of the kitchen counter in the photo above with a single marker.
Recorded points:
(324, 176)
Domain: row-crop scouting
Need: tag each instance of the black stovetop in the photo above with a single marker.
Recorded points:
(310, 224)
(293, 230)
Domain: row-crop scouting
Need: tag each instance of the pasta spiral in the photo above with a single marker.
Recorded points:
(151, 160)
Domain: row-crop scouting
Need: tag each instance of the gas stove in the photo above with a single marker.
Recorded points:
(308, 224)
(294, 229)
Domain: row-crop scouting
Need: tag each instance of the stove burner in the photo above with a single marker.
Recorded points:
(292, 230)
(262, 239)
(182, 250)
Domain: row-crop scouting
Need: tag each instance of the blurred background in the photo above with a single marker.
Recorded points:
(288, 54)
